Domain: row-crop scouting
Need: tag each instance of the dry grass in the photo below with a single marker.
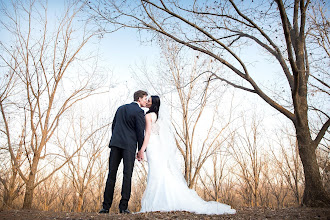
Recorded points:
(246, 213)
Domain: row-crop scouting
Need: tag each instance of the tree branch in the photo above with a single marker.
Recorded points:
(321, 133)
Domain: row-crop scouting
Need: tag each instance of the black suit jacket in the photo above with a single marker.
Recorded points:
(128, 127)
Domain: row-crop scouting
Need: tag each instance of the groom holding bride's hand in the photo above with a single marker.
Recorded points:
(140, 155)
(127, 132)
(166, 188)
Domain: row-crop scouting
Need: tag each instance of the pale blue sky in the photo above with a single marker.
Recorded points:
(121, 51)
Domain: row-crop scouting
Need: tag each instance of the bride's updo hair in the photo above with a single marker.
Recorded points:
(155, 104)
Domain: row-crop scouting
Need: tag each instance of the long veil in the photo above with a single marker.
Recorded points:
(167, 138)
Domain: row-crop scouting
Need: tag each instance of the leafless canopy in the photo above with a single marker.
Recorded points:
(229, 32)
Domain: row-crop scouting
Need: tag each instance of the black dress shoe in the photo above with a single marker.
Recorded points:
(104, 211)
(126, 211)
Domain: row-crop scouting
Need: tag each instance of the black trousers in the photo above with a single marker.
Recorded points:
(116, 155)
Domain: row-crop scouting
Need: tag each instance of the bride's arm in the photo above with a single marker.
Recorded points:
(148, 132)
(146, 137)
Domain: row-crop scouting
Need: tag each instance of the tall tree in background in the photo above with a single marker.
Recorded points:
(247, 153)
(224, 30)
(40, 55)
(88, 141)
(9, 176)
(289, 165)
(190, 100)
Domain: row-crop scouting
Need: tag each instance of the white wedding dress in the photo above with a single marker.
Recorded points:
(166, 188)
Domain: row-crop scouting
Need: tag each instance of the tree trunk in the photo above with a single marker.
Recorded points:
(29, 191)
(10, 193)
(8, 199)
(30, 184)
(80, 202)
(314, 193)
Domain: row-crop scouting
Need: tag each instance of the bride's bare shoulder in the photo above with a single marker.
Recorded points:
(151, 115)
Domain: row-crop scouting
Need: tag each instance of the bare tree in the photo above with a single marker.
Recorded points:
(9, 178)
(289, 165)
(324, 160)
(246, 151)
(88, 140)
(47, 193)
(139, 185)
(97, 188)
(221, 30)
(190, 119)
(214, 183)
(9, 175)
(12, 184)
(189, 100)
(318, 32)
(40, 56)
(275, 183)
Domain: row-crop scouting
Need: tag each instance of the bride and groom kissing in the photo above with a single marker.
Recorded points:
(166, 188)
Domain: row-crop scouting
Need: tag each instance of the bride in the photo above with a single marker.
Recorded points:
(166, 188)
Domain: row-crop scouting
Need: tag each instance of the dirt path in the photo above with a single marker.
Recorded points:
(247, 213)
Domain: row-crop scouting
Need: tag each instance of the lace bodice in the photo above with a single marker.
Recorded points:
(154, 124)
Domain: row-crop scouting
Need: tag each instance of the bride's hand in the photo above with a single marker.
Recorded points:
(140, 155)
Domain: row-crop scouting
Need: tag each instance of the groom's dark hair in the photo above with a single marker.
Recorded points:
(139, 94)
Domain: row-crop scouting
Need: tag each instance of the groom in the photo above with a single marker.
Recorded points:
(127, 132)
